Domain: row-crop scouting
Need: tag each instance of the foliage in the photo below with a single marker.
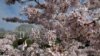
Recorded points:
(1, 52)
(21, 41)
(58, 41)
(18, 42)
(43, 46)
(2, 34)
(29, 42)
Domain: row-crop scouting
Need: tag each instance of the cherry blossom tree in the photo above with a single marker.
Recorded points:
(64, 21)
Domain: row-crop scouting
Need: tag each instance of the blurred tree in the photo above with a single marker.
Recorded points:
(2, 32)
(69, 18)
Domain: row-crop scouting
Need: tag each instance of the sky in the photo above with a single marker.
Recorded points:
(8, 11)
(11, 11)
